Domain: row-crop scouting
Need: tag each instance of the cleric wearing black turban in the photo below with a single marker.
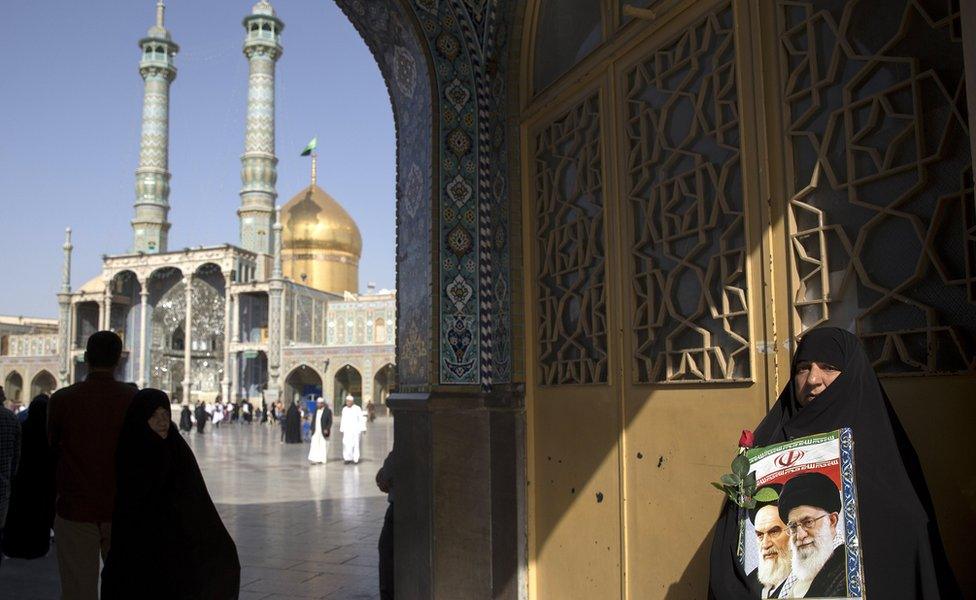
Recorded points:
(832, 386)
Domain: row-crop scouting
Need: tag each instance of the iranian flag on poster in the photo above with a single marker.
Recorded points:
(805, 544)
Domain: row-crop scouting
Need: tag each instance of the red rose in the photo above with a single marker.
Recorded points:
(747, 440)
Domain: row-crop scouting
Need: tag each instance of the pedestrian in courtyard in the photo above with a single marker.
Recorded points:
(293, 424)
(163, 512)
(186, 419)
(370, 411)
(319, 452)
(218, 414)
(352, 423)
(384, 481)
(9, 457)
(279, 409)
(246, 409)
(84, 421)
(201, 416)
(31, 513)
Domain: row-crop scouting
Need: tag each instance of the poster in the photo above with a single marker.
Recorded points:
(805, 544)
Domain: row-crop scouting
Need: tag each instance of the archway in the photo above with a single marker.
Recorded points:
(348, 380)
(43, 383)
(13, 386)
(383, 383)
(303, 384)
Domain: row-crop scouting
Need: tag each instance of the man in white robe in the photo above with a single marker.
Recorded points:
(321, 428)
(352, 426)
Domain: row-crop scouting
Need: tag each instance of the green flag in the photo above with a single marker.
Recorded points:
(311, 146)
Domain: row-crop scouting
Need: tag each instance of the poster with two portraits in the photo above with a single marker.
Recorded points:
(805, 544)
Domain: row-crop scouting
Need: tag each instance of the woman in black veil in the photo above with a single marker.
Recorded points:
(31, 513)
(293, 425)
(164, 516)
(186, 422)
(900, 543)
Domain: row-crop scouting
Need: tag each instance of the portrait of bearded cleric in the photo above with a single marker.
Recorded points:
(773, 547)
(810, 505)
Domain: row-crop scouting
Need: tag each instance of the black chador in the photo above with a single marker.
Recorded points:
(164, 513)
(293, 425)
(900, 542)
(202, 417)
(31, 513)
(186, 423)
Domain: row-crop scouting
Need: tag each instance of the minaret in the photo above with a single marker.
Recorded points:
(259, 174)
(64, 315)
(150, 227)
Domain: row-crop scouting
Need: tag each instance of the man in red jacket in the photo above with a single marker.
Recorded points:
(84, 421)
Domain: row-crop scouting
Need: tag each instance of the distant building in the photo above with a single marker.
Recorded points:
(277, 316)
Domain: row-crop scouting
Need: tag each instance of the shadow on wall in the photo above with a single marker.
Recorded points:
(688, 586)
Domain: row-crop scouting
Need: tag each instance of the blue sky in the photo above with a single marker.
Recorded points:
(70, 108)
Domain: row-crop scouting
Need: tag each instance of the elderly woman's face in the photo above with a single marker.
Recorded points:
(812, 378)
(159, 422)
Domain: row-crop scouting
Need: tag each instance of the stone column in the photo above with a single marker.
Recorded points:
(105, 320)
(276, 288)
(457, 484)
(228, 309)
(188, 340)
(234, 389)
(65, 336)
(143, 308)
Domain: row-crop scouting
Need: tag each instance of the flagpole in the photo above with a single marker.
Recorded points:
(314, 166)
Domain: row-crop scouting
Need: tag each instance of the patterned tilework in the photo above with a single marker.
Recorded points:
(462, 44)
(389, 33)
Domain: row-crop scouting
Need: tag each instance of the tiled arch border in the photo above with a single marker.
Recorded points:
(447, 85)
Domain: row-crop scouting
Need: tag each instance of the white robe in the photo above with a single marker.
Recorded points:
(320, 444)
(351, 426)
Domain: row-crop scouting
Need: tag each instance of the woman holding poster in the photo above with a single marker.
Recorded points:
(833, 410)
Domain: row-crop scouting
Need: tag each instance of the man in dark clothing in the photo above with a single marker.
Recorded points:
(84, 421)
(9, 458)
(384, 481)
(201, 416)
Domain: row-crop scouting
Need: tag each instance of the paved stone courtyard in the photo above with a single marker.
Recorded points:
(301, 531)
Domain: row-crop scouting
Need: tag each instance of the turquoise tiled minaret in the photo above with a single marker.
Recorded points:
(150, 227)
(262, 47)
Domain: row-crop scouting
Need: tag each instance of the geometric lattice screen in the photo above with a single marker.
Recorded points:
(882, 216)
(684, 191)
(569, 233)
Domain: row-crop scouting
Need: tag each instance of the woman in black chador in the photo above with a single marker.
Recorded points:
(832, 385)
(186, 423)
(293, 425)
(164, 516)
(31, 513)
(200, 412)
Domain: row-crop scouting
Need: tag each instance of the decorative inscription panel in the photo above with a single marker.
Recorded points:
(570, 244)
(882, 217)
(684, 191)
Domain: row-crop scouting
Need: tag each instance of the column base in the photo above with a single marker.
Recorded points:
(457, 488)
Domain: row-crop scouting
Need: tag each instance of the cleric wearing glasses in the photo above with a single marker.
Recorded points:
(810, 507)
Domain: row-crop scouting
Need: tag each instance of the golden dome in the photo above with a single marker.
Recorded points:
(313, 220)
(320, 243)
